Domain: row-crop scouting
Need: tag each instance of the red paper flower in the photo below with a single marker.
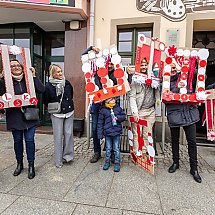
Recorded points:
(172, 50)
(148, 82)
(167, 95)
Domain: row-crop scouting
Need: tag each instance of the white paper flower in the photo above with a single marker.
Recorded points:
(201, 95)
(119, 88)
(15, 50)
(155, 84)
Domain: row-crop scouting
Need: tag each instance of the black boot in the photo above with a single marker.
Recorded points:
(173, 168)
(95, 158)
(31, 171)
(196, 176)
(19, 168)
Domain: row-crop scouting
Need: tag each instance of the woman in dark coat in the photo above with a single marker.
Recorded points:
(62, 122)
(16, 122)
(182, 115)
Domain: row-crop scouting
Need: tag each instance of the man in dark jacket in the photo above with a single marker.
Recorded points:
(182, 115)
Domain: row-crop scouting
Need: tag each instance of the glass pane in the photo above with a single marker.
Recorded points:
(37, 42)
(22, 37)
(126, 61)
(125, 36)
(54, 43)
(125, 46)
(6, 36)
(146, 33)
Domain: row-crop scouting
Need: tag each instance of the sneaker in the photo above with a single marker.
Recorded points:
(60, 166)
(116, 167)
(106, 166)
(95, 158)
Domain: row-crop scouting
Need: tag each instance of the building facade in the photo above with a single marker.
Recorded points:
(56, 32)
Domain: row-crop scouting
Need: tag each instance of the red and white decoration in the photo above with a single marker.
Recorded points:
(92, 63)
(145, 161)
(210, 114)
(151, 49)
(10, 99)
(186, 60)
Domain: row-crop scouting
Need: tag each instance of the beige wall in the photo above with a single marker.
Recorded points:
(109, 14)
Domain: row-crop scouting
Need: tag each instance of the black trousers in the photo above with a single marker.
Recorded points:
(190, 132)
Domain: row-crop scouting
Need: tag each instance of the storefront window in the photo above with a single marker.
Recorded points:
(6, 36)
(22, 37)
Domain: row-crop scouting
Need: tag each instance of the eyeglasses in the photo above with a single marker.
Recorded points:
(14, 66)
(173, 67)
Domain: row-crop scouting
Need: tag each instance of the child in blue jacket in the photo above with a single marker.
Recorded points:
(109, 126)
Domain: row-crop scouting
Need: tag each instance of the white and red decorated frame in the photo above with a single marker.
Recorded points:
(144, 161)
(152, 50)
(210, 114)
(97, 63)
(10, 99)
(184, 59)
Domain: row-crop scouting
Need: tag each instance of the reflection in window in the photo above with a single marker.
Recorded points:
(125, 36)
(6, 36)
(22, 37)
(125, 46)
(37, 42)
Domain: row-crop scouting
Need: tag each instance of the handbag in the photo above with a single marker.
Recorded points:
(30, 113)
(55, 107)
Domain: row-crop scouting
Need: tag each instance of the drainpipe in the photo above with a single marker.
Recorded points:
(91, 43)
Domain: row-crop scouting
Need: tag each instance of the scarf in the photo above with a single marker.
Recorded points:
(17, 77)
(109, 105)
(58, 84)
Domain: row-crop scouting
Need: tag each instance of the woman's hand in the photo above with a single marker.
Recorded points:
(33, 71)
(136, 117)
(130, 71)
(96, 50)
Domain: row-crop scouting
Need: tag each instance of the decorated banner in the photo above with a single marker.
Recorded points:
(98, 64)
(142, 159)
(210, 114)
(150, 49)
(188, 62)
(10, 99)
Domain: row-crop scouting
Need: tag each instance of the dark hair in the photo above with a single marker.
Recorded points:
(144, 59)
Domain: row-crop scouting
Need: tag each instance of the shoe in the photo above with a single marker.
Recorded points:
(19, 168)
(31, 171)
(106, 166)
(112, 158)
(95, 158)
(173, 168)
(116, 167)
(196, 175)
(60, 166)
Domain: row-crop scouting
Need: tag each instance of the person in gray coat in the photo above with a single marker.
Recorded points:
(182, 115)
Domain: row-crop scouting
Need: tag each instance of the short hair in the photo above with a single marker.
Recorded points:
(52, 69)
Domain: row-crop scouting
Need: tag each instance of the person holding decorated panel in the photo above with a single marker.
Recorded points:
(142, 98)
(96, 107)
(16, 123)
(182, 115)
(59, 93)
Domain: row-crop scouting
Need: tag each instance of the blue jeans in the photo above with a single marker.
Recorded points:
(95, 115)
(29, 142)
(115, 142)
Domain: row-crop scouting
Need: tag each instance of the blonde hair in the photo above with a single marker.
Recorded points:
(52, 69)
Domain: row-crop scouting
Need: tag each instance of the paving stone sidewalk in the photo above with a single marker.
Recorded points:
(81, 188)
